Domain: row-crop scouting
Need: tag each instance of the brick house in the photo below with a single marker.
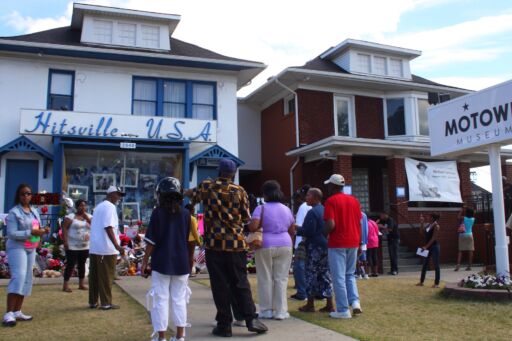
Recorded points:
(356, 110)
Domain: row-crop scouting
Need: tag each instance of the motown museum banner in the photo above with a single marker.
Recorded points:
(433, 181)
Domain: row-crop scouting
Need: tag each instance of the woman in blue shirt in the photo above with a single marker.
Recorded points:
(466, 242)
(24, 232)
(167, 244)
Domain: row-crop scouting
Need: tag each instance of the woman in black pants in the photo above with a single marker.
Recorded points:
(75, 233)
(431, 232)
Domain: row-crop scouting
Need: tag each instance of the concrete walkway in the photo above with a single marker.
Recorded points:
(201, 313)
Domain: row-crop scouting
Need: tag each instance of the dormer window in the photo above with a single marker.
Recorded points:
(364, 63)
(150, 36)
(396, 67)
(127, 34)
(103, 31)
(380, 65)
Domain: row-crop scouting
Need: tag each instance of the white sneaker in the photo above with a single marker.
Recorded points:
(175, 339)
(240, 323)
(338, 315)
(366, 276)
(9, 320)
(22, 317)
(282, 316)
(154, 337)
(356, 308)
(267, 314)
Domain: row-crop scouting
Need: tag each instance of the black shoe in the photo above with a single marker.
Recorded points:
(374, 275)
(93, 306)
(319, 297)
(222, 331)
(297, 297)
(256, 326)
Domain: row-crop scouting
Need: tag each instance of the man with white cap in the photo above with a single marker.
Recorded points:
(103, 250)
(342, 217)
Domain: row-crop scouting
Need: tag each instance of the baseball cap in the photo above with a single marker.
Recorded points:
(113, 189)
(336, 179)
(227, 166)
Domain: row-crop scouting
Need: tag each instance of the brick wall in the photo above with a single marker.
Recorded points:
(397, 178)
(316, 115)
(506, 171)
(465, 180)
(343, 165)
(369, 109)
(277, 138)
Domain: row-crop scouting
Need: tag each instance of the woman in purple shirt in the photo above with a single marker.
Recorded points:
(274, 258)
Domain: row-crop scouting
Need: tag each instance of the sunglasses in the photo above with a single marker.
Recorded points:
(26, 194)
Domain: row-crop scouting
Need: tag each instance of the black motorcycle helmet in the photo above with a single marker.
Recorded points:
(169, 187)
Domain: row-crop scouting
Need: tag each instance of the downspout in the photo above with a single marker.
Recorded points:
(297, 143)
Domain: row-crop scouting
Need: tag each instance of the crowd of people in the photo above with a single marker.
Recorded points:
(327, 246)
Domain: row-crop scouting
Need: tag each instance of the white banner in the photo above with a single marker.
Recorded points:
(91, 125)
(472, 121)
(433, 181)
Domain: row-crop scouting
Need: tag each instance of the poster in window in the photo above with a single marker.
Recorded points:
(101, 182)
(148, 181)
(130, 211)
(130, 177)
(433, 181)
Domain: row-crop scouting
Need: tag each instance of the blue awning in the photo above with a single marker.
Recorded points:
(216, 152)
(24, 145)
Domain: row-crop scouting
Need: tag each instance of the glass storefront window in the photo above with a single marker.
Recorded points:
(88, 174)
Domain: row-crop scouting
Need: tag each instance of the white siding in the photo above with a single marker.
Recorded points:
(249, 129)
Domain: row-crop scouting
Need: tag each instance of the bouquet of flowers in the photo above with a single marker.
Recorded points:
(4, 265)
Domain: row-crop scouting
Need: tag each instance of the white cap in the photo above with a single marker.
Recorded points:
(113, 189)
(336, 179)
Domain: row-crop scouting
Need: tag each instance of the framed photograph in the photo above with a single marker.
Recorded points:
(130, 177)
(101, 182)
(98, 198)
(148, 181)
(76, 192)
(130, 211)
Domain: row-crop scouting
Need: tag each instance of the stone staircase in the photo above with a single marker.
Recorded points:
(407, 261)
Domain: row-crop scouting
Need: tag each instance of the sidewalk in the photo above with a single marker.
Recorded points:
(201, 313)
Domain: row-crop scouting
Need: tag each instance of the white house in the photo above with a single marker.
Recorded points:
(114, 98)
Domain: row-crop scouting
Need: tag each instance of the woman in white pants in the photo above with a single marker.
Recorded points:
(274, 258)
(167, 238)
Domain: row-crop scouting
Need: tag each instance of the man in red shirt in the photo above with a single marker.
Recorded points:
(342, 217)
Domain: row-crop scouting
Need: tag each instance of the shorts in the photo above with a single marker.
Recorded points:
(21, 262)
(373, 256)
(362, 256)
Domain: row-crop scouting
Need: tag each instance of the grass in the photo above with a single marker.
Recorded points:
(395, 309)
(66, 316)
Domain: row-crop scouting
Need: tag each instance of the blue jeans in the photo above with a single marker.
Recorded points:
(342, 262)
(21, 262)
(299, 274)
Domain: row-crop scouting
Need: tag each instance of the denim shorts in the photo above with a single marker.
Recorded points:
(21, 262)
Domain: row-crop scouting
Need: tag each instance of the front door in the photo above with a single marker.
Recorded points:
(19, 172)
(204, 173)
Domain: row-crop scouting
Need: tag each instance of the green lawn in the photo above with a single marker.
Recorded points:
(66, 316)
(395, 309)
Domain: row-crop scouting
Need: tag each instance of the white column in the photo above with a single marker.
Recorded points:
(502, 264)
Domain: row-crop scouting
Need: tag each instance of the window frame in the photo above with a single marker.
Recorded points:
(287, 100)
(188, 95)
(385, 104)
(351, 115)
(51, 72)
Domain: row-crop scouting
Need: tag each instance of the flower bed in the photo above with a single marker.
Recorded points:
(482, 287)
(477, 281)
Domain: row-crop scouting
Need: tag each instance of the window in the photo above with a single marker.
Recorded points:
(61, 90)
(379, 66)
(363, 63)
(396, 68)
(127, 34)
(175, 102)
(150, 36)
(361, 188)
(202, 101)
(342, 112)
(423, 116)
(103, 31)
(144, 97)
(395, 112)
(174, 98)
(289, 105)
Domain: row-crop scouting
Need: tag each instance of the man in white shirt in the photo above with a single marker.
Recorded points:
(103, 250)
(299, 257)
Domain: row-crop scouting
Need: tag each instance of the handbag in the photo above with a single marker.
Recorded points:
(255, 239)
(461, 228)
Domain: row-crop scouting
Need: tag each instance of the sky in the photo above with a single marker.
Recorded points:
(464, 43)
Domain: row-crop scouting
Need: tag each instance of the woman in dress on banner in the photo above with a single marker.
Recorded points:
(24, 233)
(76, 234)
(274, 258)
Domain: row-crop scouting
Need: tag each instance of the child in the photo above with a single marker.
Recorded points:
(361, 261)
(167, 238)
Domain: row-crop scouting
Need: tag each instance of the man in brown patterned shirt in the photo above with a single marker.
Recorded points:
(226, 210)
